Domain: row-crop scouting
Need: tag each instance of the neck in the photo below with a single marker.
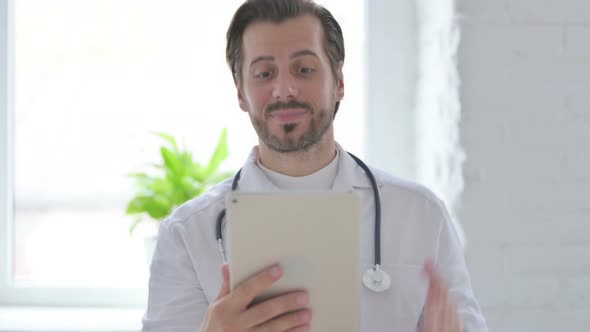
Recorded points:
(300, 163)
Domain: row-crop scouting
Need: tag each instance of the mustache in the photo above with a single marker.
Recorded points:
(286, 105)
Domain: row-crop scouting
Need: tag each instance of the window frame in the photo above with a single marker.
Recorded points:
(25, 296)
(391, 85)
(6, 209)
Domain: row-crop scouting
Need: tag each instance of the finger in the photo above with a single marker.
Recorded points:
(445, 319)
(293, 320)
(274, 307)
(432, 309)
(455, 320)
(224, 290)
(437, 288)
(434, 303)
(459, 324)
(301, 328)
(448, 319)
(444, 308)
(431, 271)
(429, 266)
(247, 290)
(443, 297)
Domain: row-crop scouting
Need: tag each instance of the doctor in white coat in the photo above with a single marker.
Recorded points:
(286, 57)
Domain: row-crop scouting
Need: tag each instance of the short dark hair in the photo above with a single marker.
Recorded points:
(277, 11)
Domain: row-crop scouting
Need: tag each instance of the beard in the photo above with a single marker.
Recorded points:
(320, 122)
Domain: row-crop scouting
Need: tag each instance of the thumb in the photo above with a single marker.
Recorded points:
(224, 290)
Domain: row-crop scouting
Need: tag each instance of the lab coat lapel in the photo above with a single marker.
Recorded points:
(252, 179)
(350, 176)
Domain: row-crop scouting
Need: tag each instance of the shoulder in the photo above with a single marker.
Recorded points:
(406, 190)
(414, 202)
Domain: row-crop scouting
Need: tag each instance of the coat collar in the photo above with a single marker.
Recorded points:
(349, 176)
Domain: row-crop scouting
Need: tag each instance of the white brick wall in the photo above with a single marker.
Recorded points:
(525, 93)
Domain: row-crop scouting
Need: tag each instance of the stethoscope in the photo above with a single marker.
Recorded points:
(375, 278)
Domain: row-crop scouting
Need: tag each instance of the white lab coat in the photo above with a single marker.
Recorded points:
(185, 271)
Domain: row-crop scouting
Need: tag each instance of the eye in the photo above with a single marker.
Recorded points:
(305, 70)
(264, 74)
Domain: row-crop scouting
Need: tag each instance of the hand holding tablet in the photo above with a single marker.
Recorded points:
(234, 312)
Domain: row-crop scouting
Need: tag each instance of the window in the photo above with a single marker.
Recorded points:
(87, 84)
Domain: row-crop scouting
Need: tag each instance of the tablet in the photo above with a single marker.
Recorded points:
(314, 236)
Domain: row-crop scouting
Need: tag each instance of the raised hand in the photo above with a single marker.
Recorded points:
(440, 312)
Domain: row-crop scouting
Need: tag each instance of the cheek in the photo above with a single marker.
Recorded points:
(258, 98)
(324, 90)
(323, 96)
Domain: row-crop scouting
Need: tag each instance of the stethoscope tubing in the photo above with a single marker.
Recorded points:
(377, 199)
(376, 196)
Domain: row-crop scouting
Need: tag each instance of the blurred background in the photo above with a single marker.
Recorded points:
(486, 102)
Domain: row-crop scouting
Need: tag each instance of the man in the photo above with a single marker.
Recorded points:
(286, 57)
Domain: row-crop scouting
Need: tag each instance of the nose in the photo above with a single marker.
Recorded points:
(285, 88)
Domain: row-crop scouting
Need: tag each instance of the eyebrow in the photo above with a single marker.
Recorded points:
(294, 55)
(303, 52)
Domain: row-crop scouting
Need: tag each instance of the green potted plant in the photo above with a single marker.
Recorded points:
(175, 180)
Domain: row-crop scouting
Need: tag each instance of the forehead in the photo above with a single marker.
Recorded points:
(277, 39)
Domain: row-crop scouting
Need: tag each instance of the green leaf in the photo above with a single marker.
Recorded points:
(215, 179)
(140, 176)
(162, 187)
(197, 172)
(156, 166)
(134, 224)
(158, 207)
(137, 205)
(220, 154)
(142, 180)
(191, 189)
(178, 179)
(171, 161)
(169, 138)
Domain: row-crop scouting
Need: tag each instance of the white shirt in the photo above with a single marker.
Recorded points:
(185, 271)
(323, 179)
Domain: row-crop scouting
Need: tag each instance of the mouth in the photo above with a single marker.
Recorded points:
(288, 115)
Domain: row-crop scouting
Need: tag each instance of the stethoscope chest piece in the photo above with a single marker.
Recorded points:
(376, 279)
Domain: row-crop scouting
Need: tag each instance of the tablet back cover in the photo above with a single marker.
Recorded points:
(314, 236)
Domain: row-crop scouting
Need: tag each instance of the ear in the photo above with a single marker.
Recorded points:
(339, 82)
(241, 100)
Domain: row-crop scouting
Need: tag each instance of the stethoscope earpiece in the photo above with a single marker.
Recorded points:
(376, 279)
